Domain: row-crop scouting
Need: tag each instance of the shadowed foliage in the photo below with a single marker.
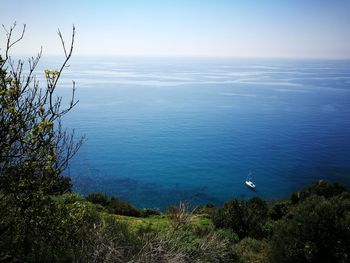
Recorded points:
(245, 218)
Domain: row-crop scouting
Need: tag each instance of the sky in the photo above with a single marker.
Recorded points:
(184, 28)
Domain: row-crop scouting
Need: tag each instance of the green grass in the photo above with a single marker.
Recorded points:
(158, 222)
(162, 222)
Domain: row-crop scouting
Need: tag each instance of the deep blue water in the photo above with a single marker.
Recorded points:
(163, 130)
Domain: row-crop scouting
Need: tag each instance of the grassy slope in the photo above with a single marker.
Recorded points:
(162, 222)
(250, 250)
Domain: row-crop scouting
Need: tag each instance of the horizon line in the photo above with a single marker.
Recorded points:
(160, 56)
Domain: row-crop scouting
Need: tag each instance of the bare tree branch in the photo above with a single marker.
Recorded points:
(10, 44)
(52, 86)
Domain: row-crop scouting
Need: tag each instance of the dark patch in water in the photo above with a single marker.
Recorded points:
(193, 196)
(130, 184)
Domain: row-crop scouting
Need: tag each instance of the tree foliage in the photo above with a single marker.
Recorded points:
(34, 148)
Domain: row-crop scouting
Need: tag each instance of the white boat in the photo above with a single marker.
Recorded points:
(249, 182)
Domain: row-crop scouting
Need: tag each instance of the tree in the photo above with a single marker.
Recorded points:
(34, 147)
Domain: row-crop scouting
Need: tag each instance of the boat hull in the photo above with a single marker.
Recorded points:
(250, 184)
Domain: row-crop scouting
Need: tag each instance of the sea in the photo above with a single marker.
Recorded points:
(163, 130)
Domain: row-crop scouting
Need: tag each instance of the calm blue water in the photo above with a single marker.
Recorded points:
(163, 130)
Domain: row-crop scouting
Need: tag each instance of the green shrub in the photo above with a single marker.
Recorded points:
(320, 188)
(228, 234)
(114, 205)
(149, 212)
(204, 209)
(120, 207)
(98, 198)
(245, 218)
(48, 230)
(252, 250)
(278, 210)
(317, 230)
(68, 198)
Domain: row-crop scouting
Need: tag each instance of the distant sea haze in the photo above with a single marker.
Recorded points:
(164, 130)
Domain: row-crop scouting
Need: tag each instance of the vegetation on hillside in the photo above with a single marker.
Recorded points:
(42, 220)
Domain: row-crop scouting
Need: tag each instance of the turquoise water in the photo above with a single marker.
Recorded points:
(163, 130)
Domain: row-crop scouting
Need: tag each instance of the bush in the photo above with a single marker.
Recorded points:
(252, 250)
(55, 231)
(120, 207)
(317, 230)
(111, 241)
(114, 205)
(98, 198)
(279, 210)
(68, 198)
(149, 212)
(228, 234)
(320, 188)
(245, 218)
(230, 216)
(204, 209)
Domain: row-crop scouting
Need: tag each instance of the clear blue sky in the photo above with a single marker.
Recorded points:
(223, 28)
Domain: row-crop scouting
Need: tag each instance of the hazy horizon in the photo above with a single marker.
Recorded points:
(199, 29)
